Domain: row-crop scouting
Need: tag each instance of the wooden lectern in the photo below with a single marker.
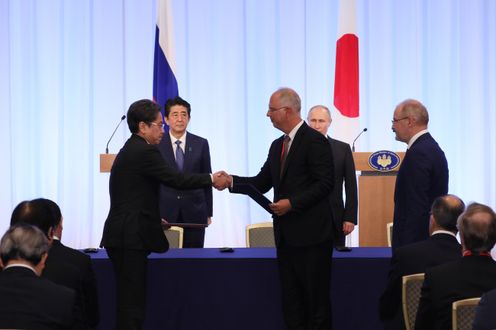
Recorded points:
(375, 200)
(106, 161)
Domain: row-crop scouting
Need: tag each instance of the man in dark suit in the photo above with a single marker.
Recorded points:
(468, 277)
(187, 153)
(422, 177)
(485, 316)
(58, 268)
(133, 227)
(300, 169)
(60, 254)
(27, 300)
(442, 246)
(344, 213)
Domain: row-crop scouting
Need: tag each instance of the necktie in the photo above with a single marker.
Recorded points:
(179, 155)
(284, 152)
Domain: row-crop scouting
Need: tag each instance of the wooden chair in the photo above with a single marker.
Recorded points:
(174, 235)
(463, 313)
(260, 235)
(389, 233)
(412, 284)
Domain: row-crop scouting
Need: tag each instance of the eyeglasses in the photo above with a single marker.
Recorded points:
(274, 110)
(397, 120)
(161, 125)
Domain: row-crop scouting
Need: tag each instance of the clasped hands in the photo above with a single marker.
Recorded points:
(221, 180)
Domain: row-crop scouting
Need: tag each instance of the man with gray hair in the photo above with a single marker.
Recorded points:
(467, 277)
(422, 177)
(27, 300)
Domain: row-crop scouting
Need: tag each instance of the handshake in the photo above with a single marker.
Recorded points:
(221, 180)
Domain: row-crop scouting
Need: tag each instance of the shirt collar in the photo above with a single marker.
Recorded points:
(294, 130)
(20, 265)
(182, 138)
(447, 232)
(416, 136)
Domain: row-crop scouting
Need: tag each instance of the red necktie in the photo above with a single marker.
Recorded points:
(284, 152)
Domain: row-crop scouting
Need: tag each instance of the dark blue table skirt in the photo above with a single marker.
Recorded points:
(194, 289)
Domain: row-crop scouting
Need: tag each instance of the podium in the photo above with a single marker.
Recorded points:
(375, 200)
(106, 161)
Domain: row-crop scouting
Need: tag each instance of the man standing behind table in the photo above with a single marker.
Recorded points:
(300, 169)
(187, 153)
(422, 177)
(133, 227)
(345, 213)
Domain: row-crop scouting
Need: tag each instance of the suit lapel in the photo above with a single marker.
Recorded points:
(294, 149)
(188, 152)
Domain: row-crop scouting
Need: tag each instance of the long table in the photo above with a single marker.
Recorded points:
(205, 289)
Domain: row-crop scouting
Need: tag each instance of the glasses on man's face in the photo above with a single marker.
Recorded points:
(275, 109)
(397, 120)
(161, 125)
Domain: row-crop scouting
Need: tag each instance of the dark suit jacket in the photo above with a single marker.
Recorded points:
(31, 302)
(485, 314)
(468, 277)
(195, 205)
(422, 177)
(134, 218)
(307, 180)
(412, 259)
(344, 170)
(63, 263)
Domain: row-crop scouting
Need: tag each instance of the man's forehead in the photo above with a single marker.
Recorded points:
(178, 108)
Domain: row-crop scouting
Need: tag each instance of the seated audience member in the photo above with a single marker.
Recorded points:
(467, 277)
(442, 246)
(64, 266)
(485, 314)
(28, 301)
(78, 260)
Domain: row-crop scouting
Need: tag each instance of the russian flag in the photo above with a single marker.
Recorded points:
(346, 84)
(164, 79)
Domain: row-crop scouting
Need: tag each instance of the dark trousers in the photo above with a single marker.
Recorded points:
(130, 276)
(305, 274)
(192, 237)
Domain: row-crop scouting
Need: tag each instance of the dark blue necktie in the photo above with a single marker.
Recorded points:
(179, 155)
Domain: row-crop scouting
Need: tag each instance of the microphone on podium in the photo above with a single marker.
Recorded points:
(353, 146)
(122, 118)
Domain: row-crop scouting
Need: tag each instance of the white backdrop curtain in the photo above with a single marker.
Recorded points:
(70, 69)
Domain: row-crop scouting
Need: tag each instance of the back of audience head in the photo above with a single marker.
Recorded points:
(24, 243)
(41, 212)
(477, 226)
(445, 211)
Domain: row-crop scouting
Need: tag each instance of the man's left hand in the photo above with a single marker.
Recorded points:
(348, 227)
(281, 207)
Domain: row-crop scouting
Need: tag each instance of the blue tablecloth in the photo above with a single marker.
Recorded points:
(206, 289)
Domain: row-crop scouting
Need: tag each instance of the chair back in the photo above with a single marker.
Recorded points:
(174, 235)
(260, 235)
(389, 233)
(463, 313)
(412, 284)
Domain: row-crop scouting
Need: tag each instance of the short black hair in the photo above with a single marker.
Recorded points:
(141, 111)
(36, 213)
(176, 101)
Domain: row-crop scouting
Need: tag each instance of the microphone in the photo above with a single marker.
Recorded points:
(122, 118)
(363, 131)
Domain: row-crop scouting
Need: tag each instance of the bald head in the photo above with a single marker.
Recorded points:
(445, 211)
(284, 109)
(409, 118)
(477, 226)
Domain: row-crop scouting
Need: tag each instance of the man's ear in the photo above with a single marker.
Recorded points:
(41, 265)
